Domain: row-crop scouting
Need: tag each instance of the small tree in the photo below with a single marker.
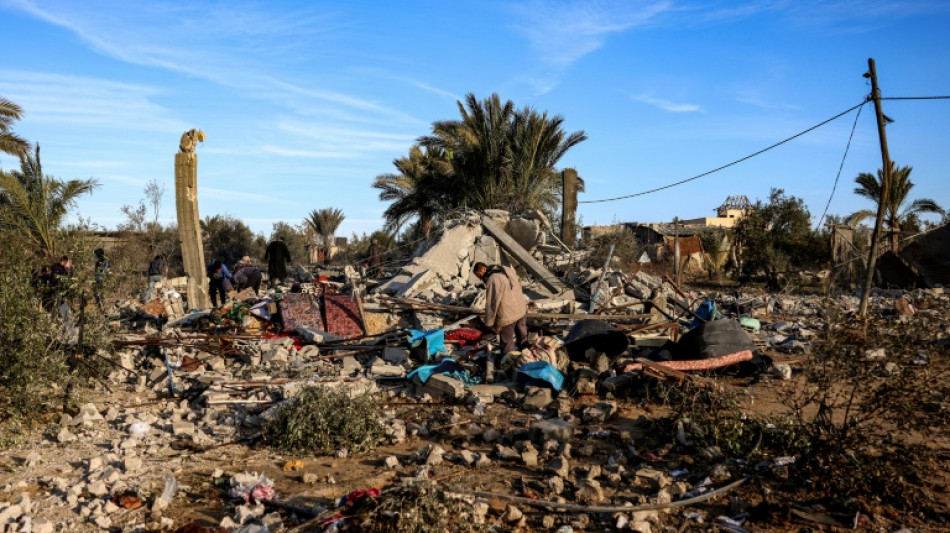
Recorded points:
(325, 222)
(897, 215)
(36, 204)
(776, 237)
(228, 239)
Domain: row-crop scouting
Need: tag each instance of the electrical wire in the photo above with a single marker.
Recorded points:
(840, 167)
(727, 165)
(915, 98)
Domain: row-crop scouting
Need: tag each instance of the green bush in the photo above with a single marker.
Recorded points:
(31, 354)
(322, 420)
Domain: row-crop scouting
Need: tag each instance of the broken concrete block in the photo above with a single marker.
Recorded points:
(553, 429)
(782, 371)
(88, 415)
(384, 370)
(490, 391)
(525, 232)
(65, 436)
(442, 386)
(395, 355)
(98, 488)
(537, 397)
(599, 412)
(350, 365)
(589, 492)
(491, 435)
(183, 428)
(418, 283)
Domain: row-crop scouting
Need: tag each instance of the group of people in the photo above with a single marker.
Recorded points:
(51, 283)
(221, 281)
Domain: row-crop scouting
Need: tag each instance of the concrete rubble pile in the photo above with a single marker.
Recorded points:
(203, 380)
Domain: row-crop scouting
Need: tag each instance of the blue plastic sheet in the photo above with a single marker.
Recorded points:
(540, 374)
(435, 339)
(445, 366)
(706, 312)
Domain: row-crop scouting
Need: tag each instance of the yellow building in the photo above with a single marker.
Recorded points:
(733, 209)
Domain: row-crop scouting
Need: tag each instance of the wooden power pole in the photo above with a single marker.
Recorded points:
(569, 208)
(885, 189)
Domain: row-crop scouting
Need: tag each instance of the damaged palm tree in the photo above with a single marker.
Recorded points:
(189, 223)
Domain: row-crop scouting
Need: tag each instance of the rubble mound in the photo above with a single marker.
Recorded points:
(321, 420)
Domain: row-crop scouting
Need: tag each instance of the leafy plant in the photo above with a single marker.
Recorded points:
(321, 420)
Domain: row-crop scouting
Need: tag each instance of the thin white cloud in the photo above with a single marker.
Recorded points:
(79, 100)
(232, 46)
(230, 195)
(91, 164)
(312, 154)
(562, 32)
(762, 104)
(666, 105)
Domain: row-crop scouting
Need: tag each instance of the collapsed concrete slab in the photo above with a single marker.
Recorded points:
(544, 276)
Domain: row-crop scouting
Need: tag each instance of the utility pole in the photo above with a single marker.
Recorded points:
(676, 248)
(885, 189)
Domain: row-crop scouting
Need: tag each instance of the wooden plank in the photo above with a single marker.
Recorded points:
(544, 276)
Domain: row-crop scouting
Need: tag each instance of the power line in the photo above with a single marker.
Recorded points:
(727, 165)
(840, 167)
(916, 98)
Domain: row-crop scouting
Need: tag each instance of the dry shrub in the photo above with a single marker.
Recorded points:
(418, 508)
(321, 420)
(713, 416)
(868, 423)
(627, 249)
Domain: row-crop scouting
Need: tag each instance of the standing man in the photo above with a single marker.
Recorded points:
(506, 310)
(277, 256)
(157, 270)
(59, 283)
(102, 273)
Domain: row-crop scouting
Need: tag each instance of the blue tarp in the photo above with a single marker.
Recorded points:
(435, 339)
(541, 374)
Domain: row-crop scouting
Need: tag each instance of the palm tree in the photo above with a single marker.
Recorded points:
(419, 190)
(10, 143)
(325, 222)
(35, 204)
(502, 157)
(869, 186)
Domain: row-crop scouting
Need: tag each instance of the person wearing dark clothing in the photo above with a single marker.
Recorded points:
(245, 276)
(59, 274)
(277, 256)
(42, 282)
(157, 270)
(218, 282)
(102, 274)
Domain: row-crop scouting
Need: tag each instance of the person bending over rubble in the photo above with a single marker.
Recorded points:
(506, 311)
(247, 275)
(219, 282)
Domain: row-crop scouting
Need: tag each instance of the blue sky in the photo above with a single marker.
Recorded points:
(304, 103)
